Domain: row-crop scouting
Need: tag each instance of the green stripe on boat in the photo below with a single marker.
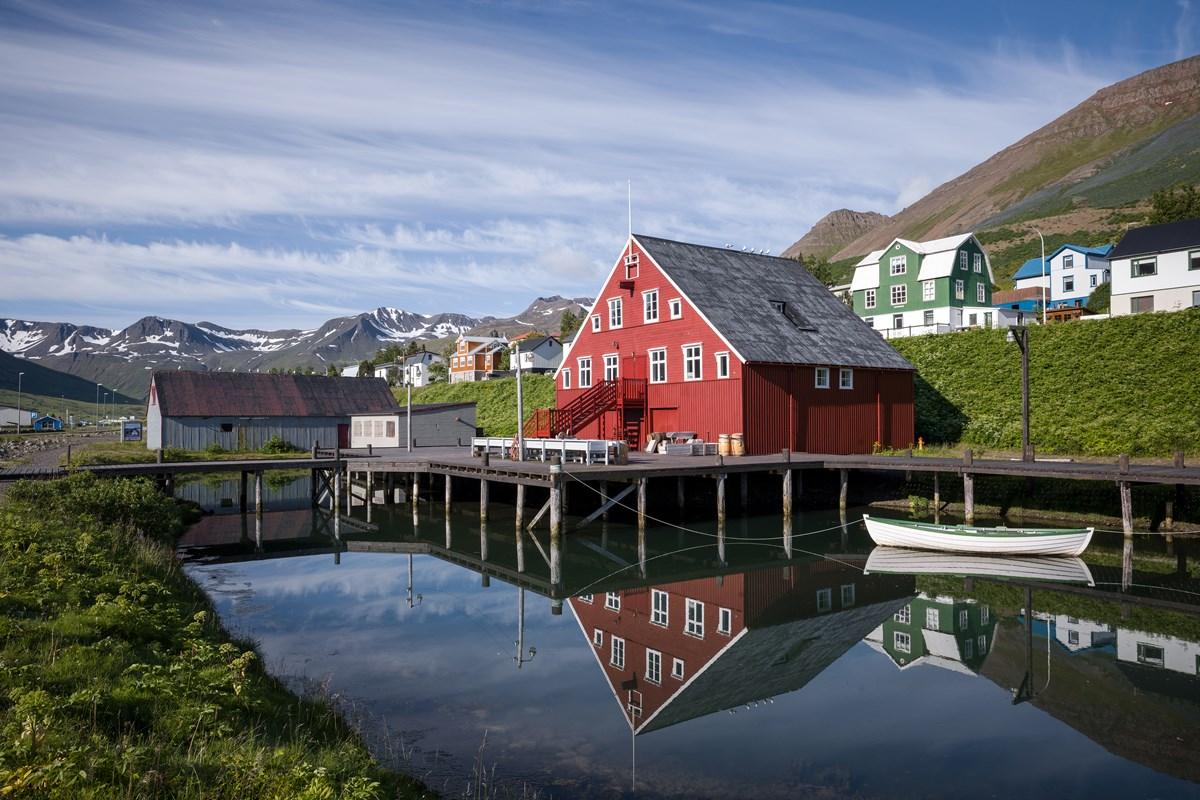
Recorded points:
(971, 530)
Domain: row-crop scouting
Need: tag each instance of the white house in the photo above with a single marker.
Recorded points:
(540, 353)
(1158, 650)
(1077, 634)
(416, 368)
(1033, 275)
(1075, 272)
(1156, 268)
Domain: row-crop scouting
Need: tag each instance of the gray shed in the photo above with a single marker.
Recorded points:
(434, 425)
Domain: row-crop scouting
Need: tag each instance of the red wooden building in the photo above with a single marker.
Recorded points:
(689, 338)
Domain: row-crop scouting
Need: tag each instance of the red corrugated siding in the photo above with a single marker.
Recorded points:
(784, 409)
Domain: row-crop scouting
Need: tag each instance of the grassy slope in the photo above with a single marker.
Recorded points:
(111, 452)
(118, 683)
(1124, 385)
(496, 401)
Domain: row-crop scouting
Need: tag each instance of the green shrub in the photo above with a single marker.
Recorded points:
(277, 445)
(214, 449)
(495, 400)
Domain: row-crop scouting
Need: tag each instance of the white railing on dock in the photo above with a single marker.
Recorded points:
(587, 451)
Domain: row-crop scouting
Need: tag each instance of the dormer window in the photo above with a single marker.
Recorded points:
(779, 305)
(631, 266)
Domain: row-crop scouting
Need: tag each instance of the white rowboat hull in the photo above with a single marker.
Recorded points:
(994, 541)
(1056, 569)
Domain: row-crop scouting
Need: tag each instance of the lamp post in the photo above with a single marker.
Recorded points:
(104, 407)
(19, 376)
(520, 408)
(97, 414)
(1020, 335)
(1045, 278)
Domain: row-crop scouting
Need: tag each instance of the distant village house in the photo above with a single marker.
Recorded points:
(1156, 268)
(475, 357)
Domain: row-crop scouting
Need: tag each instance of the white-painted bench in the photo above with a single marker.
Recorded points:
(586, 451)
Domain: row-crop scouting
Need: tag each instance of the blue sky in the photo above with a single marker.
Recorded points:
(282, 164)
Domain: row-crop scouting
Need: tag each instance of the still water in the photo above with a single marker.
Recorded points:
(752, 675)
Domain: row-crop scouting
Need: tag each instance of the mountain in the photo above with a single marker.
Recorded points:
(1111, 151)
(834, 231)
(121, 358)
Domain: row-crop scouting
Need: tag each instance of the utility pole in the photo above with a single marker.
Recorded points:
(1045, 277)
(97, 414)
(520, 406)
(19, 376)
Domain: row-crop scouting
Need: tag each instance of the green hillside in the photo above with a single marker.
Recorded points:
(1105, 387)
(50, 391)
(496, 401)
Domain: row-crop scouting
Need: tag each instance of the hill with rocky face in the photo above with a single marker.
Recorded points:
(1112, 150)
(121, 358)
(834, 231)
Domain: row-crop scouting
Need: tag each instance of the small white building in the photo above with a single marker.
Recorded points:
(434, 425)
(350, 371)
(1077, 634)
(539, 353)
(1075, 272)
(1156, 268)
(1158, 650)
(416, 368)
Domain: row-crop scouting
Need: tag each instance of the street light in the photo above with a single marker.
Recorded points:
(520, 407)
(105, 406)
(1020, 335)
(1045, 278)
(19, 376)
(97, 414)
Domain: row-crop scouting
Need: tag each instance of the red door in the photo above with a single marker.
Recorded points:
(343, 434)
(634, 367)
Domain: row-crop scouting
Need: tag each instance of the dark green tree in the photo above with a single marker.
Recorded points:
(569, 323)
(1174, 204)
(366, 368)
(1098, 301)
(332, 371)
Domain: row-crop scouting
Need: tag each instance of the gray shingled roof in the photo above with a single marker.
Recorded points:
(735, 291)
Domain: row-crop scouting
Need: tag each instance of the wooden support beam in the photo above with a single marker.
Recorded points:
(449, 491)
(937, 498)
(416, 487)
(556, 507)
(641, 506)
(349, 488)
(969, 497)
(449, 533)
(258, 495)
(1127, 530)
(242, 493)
(483, 540)
(787, 497)
(483, 500)
(721, 517)
(370, 491)
(844, 489)
(605, 506)
(520, 527)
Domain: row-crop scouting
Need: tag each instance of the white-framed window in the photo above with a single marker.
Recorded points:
(824, 600)
(962, 260)
(615, 314)
(617, 653)
(897, 320)
(695, 618)
(722, 365)
(1143, 267)
(978, 263)
(821, 378)
(612, 601)
(899, 295)
(611, 370)
(586, 598)
(981, 644)
(903, 615)
(653, 667)
(869, 298)
(927, 317)
(597, 637)
(981, 293)
(595, 323)
(566, 376)
(933, 619)
(848, 595)
(968, 649)
(845, 378)
(724, 621)
(963, 618)
(927, 290)
(1142, 303)
(985, 615)
(898, 265)
(902, 642)
(972, 320)
(1150, 654)
(676, 306)
(650, 306)
(1068, 283)
(658, 607)
(870, 321)
(658, 365)
(631, 266)
(987, 319)
(959, 289)
(677, 668)
(1093, 279)
(585, 371)
(693, 368)
(1068, 261)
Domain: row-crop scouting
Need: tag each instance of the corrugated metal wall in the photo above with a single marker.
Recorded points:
(783, 408)
(197, 433)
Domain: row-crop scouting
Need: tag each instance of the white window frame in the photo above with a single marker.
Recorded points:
(927, 318)
(899, 295)
(869, 298)
(897, 321)
(903, 615)
(960, 289)
(969, 648)
(724, 621)
(566, 377)
(928, 291)
(849, 595)
(632, 267)
(689, 360)
(660, 616)
(980, 293)
(616, 644)
(616, 313)
(898, 265)
(612, 601)
(1093, 281)
(1068, 283)
(902, 642)
(597, 637)
(962, 260)
(612, 365)
(677, 668)
(1068, 261)
(979, 263)
(653, 667)
(587, 598)
(821, 378)
(824, 600)
(659, 353)
(722, 364)
(985, 615)
(595, 323)
(675, 304)
(585, 371)
(1133, 265)
(845, 378)
(964, 618)
(981, 644)
(933, 619)
(870, 321)
(650, 303)
(694, 620)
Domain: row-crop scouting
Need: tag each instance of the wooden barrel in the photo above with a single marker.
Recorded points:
(737, 445)
(723, 444)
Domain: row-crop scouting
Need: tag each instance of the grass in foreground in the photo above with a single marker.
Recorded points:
(117, 682)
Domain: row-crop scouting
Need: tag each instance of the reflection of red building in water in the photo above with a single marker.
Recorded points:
(682, 650)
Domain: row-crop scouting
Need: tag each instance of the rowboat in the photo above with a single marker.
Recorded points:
(1054, 569)
(971, 539)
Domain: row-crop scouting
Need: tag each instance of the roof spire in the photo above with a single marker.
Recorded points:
(629, 202)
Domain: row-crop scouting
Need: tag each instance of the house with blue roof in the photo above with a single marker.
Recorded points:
(1031, 275)
(1069, 274)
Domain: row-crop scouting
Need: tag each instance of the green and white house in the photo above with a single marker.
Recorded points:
(937, 631)
(910, 288)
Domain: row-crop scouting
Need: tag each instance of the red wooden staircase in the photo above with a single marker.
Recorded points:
(627, 395)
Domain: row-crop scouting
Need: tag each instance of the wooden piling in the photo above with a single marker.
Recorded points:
(744, 490)
(721, 517)
(1127, 532)
(370, 491)
(483, 540)
(337, 490)
(787, 495)
(483, 500)
(416, 487)
(604, 500)
(787, 534)
(258, 495)
(242, 493)
(641, 506)
(968, 487)
(520, 527)
(556, 524)
(937, 498)
(844, 489)
(449, 493)
(349, 488)
(680, 498)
